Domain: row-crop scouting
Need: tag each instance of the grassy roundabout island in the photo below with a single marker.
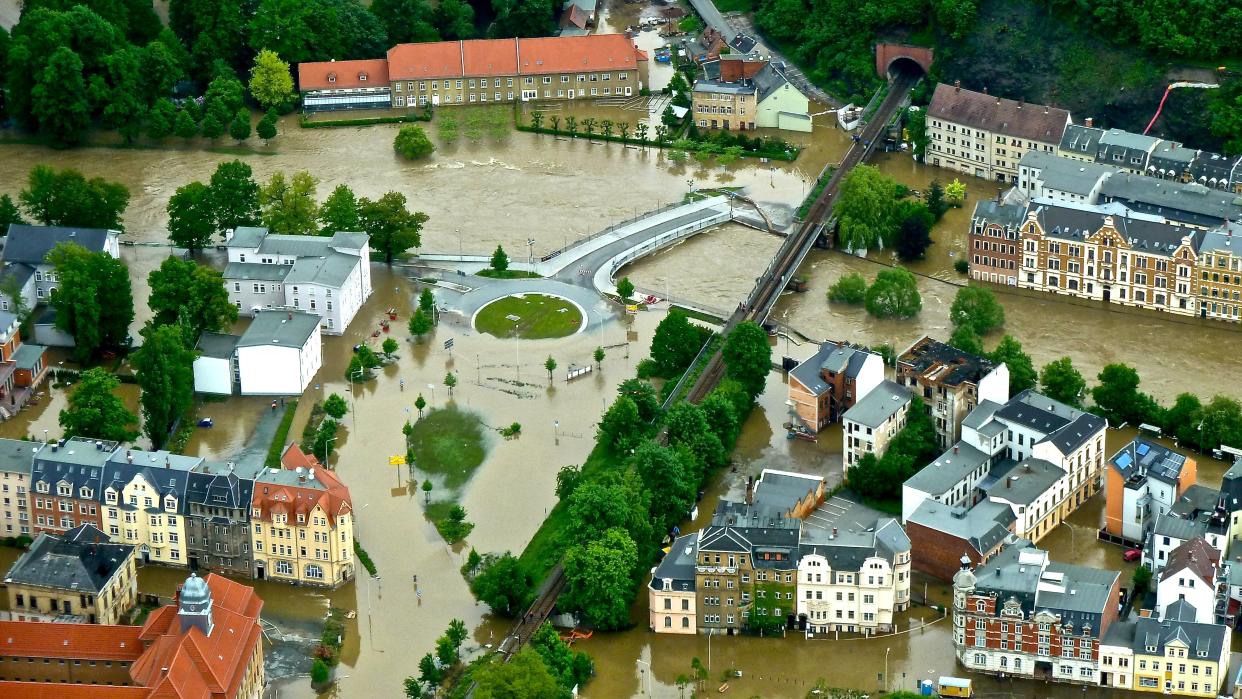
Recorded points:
(529, 316)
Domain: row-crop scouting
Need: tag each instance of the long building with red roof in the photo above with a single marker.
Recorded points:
(206, 646)
(479, 71)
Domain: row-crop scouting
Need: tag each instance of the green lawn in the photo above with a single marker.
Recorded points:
(547, 546)
(539, 317)
(448, 445)
(507, 274)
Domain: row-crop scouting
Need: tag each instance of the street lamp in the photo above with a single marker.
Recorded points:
(556, 427)
(433, 393)
(643, 682)
(460, 257)
(690, 184)
(530, 249)
(327, 451)
(886, 651)
(353, 403)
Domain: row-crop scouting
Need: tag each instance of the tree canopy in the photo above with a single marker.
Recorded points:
(67, 198)
(393, 228)
(894, 294)
(503, 584)
(94, 303)
(271, 83)
(1059, 380)
(165, 369)
(976, 307)
(748, 356)
(95, 411)
(597, 579)
(866, 209)
(675, 343)
(191, 296)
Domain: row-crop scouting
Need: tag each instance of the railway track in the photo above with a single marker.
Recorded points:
(758, 304)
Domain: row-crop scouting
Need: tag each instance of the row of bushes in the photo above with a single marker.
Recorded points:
(364, 558)
(307, 123)
(277, 447)
(692, 146)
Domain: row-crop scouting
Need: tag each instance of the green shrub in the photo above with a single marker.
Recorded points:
(851, 288)
(412, 143)
(364, 558)
(962, 266)
(319, 672)
(277, 446)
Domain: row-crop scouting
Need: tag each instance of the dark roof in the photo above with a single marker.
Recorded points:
(219, 490)
(778, 491)
(998, 115)
(939, 363)
(1081, 139)
(280, 329)
(1193, 202)
(834, 357)
(1144, 232)
(1023, 483)
(982, 527)
(79, 462)
(678, 565)
(82, 560)
(1078, 594)
(743, 43)
(1004, 215)
(16, 455)
(1196, 499)
(1202, 640)
(31, 244)
(217, 345)
(1195, 555)
(1141, 457)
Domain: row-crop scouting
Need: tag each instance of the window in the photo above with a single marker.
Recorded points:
(284, 568)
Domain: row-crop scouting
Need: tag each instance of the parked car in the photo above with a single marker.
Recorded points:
(1132, 555)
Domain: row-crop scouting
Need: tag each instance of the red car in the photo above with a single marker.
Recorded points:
(1132, 555)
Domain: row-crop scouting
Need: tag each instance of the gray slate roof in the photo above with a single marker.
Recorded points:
(1151, 458)
(1004, 215)
(1080, 139)
(1178, 528)
(1064, 174)
(1079, 598)
(16, 455)
(280, 329)
(833, 357)
(1204, 640)
(30, 244)
(254, 271)
(1227, 239)
(27, 356)
(945, 364)
(983, 526)
(948, 469)
(1191, 202)
(83, 560)
(217, 345)
(678, 565)
(1024, 482)
(777, 491)
(861, 533)
(330, 270)
(1147, 233)
(247, 237)
(882, 403)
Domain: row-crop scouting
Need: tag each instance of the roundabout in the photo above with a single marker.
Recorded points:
(530, 316)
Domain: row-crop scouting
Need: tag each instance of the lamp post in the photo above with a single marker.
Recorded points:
(530, 250)
(327, 451)
(460, 256)
(353, 402)
(556, 431)
(643, 682)
(886, 651)
(433, 393)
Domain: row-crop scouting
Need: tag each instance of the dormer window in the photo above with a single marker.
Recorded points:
(170, 503)
(301, 519)
(110, 497)
(256, 512)
(362, 77)
(84, 492)
(332, 77)
(41, 487)
(64, 489)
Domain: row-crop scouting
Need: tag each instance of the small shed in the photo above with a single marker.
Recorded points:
(213, 368)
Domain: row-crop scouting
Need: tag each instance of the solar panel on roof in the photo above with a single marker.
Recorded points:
(1123, 461)
(1143, 449)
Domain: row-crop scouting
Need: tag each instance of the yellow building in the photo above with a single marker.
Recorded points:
(1219, 285)
(79, 577)
(1172, 656)
(302, 523)
(144, 503)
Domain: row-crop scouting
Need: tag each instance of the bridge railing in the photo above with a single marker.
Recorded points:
(664, 240)
(611, 229)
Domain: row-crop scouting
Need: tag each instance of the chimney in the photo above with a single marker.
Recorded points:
(954, 448)
(750, 490)
(167, 462)
(129, 456)
(1008, 481)
(957, 85)
(1090, 122)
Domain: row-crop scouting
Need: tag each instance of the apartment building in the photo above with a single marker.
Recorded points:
(1080, 142)
(1045, 176)
(871, 424)
(1219, 282)
(740, 94)
(1144, 155)
(327, 276)
(995, 251)
(143, 498)
(670, 594)
(207, 644)
(1143, 481)
(302, 523)
(15, 464)
(78, 577)
(65, 483)
(1176, 655)
(23, 367)
(1192, 575)
(940, 535)
(951, 383)
(24, 258)
(218, 519)
(985, 136)
(826, 385)
(1023, 615)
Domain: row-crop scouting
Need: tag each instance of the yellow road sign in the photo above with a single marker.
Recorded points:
(396, 460)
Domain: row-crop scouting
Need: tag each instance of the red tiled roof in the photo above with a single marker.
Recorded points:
(735, 69)
(341, 75)
(328, 492)
(490, 56)
(568, 54)
(77, 641)
(440, 59)
(979, 110)
(575, 17)
(56, 690)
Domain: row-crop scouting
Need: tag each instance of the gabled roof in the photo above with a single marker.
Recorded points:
(998, 115)
(678, 565)
(983, 526)
(568, 54)
(881, 404)
(31, 244)
(217, 345)
(490, 57)
(948, 469)
(435, 59)
(24, 639)
(1143, 457)
(82, 560)
(297, 488)
(343, 75)
(1145, 233)
(1178, 528)
(1201, 640)
(1195, 556)
(832, 357)
(330, 270)
(1081, 139)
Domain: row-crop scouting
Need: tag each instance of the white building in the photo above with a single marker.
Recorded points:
(278, 354)
(1061, 179)
(874, 421)
(1145, 480)
(1190, 575)
(214, 370)
(330, 277)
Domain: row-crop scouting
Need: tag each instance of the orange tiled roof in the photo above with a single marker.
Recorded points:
(328, 492)
(489, 57)
(440, 59)
(347, 74)
(567, 54)
(77, 641)
(56, 690)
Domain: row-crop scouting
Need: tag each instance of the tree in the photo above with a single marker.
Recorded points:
(503, 584)
(67, 198)
(568, 667)
(9, 213)
(393, 228)
(161, 118)
(213, 126)
(523, 18)
(644, 396)
(914, 231)
(687, 427)
(1118, 399)
(271, 83)
(427, 302)
(190, 217)
(95, 411)
(620, 427)
(967, 340)
(625, 288)
(1220, 424)
(389, 346)
(94, 302)
(850, 288)
(420, 403)
(225, 95)
(674, 344)
(184, 125)
(288, 207)
(58, 100)
(670, 480)
(722, 416)
(599, 358)
(1141, 581)
(866, 209)
(191, 296)
(597, 579)
(1059, 380)
(428, 672)
(1022, 374)
(550, 365)
(1183, 419)
(955, 193)
(978, 308)
(450, 382)
(427, 486)
(334, 405)
(407, 21)
(239, 128)
(165, 368)
(894, 294)
(319, 672)
(500, 260)
(339, 211)
(748, 356)
(455, 19)
(266, 128)
(234, 196)
(525, 676)
(420, 324)
(935, 200)
(412, 143)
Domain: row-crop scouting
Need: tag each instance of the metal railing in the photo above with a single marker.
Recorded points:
(612, 228)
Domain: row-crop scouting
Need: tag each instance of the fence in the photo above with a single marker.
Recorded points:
(664, 240)
(610, 229)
